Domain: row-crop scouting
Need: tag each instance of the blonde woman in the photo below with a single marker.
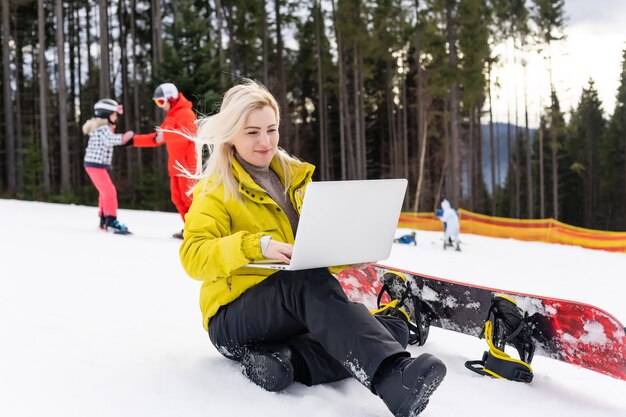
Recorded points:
(289, 325)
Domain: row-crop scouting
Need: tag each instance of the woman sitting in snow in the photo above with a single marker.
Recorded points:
(283, 326)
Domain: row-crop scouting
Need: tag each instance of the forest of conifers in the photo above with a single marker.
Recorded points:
(367, 89)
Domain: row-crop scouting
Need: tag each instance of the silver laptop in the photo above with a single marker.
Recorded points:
(345, 222)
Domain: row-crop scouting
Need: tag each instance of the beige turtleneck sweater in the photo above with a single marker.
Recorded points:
(267, 179)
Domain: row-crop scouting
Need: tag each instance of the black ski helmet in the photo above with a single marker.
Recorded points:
(105, 107)
(167, 91)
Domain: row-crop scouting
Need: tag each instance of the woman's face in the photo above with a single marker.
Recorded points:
(257, 143)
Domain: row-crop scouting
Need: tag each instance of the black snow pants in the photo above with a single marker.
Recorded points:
(309, 312)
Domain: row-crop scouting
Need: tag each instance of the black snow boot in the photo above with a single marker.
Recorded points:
(406, 384)
(268, 366)
(112, 225)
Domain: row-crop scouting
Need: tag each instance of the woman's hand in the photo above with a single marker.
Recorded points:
(279, 251)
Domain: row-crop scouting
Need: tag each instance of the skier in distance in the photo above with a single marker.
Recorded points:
(451, 226)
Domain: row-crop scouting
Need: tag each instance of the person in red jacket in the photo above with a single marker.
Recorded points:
(180, 150)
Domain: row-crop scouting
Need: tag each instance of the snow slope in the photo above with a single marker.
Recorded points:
(93, 324)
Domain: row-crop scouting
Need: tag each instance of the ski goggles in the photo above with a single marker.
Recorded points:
(160, 101)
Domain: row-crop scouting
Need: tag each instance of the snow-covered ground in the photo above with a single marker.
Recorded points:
(93, 324)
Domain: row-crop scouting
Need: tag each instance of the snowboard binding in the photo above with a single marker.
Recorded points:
(405, 305)
(506, 324)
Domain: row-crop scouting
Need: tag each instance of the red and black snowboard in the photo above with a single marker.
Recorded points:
(569, 331)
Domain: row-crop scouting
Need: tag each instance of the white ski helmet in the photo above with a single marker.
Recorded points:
(166, 91)
(107, 106)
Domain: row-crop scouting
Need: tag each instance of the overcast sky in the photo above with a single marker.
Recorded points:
(596, 37)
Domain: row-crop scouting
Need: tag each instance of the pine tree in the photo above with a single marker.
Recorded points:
(613, 157)
(556, 128)
(586, 130)
(549, 18)
(474, 44)
(191, 59)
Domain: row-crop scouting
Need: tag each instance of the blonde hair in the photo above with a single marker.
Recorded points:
(216, 131)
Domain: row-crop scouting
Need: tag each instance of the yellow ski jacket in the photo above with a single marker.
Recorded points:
(222, 237)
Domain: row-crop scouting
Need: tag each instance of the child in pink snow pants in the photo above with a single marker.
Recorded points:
(98, 159)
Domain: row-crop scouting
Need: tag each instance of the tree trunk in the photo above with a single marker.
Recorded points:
(62, 97)
(359, 116)
(88, 23)
(159, 160)
(105, 77)
(480, 193)
(157, 56)
(19, 139)
(136, 125)
(391, 123)
(43, 92)
(422, 160)
(220, 48)
(265, 41)
(361, 120)
(281, 87)
(125, 86)
(516, 148)
(73, 128)
(494, 189)
(529, 184)
(405, 133)
(356, 86)
(232, 45)
(455, 145)
(555, 179)
(542, 192)
(516, 159)
(444, 170)
(421, 113)
(9, 128)
(71, 42)
(445, 173)
(79, 65)
(590, 198)
(321, 104)
(470, 160)
(509, 161)
(343, 128)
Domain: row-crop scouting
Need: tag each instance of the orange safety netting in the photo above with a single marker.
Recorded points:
(544, 230)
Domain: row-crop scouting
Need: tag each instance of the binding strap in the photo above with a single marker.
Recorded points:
(511, 326)
(418, 333)
(499, 364)
(508, 326)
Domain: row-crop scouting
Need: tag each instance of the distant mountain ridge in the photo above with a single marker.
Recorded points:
(500, 132)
